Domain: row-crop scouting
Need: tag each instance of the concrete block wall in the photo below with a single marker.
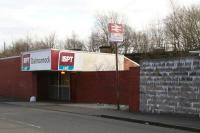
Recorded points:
(170, 85)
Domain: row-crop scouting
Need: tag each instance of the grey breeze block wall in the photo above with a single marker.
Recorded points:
(170, 85)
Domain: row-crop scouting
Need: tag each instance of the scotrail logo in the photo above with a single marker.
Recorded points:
(26, 62)
(115, 28)
(66, 61)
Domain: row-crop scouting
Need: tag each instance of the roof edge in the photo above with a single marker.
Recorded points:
(11, 57)
(138, 65)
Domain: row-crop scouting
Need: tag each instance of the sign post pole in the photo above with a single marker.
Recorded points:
(116, 35)
(117, 76)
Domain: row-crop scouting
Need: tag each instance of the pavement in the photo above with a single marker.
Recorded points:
(181, 122)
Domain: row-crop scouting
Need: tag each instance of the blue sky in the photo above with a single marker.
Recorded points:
(38, 18)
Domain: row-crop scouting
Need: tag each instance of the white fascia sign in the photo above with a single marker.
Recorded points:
(36, 60)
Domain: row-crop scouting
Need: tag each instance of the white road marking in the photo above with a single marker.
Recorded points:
(10, 113)
(26, 123)
(21, 122)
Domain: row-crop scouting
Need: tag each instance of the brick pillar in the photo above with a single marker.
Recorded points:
(134, 90)
(34, 84)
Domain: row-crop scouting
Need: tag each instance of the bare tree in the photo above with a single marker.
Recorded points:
(156, 37)
(141, 41)
(128, 45)
(100, 34)
(15, 49)
(94, 42)
(27, 44)
(44, 43)
(183, 28)
(74, 43)
(50, 40)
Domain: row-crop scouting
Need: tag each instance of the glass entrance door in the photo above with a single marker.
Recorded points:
(64, 88)
(59, 86)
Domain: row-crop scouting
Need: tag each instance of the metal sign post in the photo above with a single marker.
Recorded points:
(115, 36)
(117, 76)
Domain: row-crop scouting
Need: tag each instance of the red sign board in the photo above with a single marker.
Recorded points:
(115, 32)
(115, 28)
(66, 61)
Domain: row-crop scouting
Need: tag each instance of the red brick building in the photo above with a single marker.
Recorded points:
(70, 76)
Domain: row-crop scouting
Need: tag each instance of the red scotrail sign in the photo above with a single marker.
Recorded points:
(115, 28)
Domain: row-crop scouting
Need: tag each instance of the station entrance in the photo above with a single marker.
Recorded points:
(53, 86)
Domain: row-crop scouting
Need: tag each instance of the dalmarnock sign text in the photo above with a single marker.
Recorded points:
(40, 60)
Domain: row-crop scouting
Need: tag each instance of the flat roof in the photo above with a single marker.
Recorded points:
(32, 51)
(11, 57)
(195, 51)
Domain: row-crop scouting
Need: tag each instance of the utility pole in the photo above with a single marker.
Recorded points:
(4, 46)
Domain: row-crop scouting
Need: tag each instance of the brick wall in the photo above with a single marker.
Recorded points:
(128, 64)
(170, 86)
(99, 87)
(13, 82)
(86, 87)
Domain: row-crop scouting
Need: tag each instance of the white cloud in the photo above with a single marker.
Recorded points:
(21, 17)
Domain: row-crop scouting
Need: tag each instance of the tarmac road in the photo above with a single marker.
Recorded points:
(19, 119)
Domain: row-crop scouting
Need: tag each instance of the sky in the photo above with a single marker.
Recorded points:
(39, 18)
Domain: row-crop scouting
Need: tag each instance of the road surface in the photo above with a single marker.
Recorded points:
(19, 119)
